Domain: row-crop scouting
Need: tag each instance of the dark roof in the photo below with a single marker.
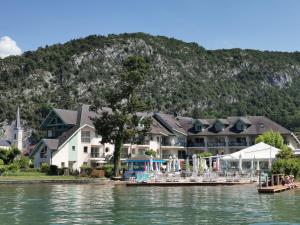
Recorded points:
(51, 143)
(67, 116)
(223, 121)
(5, 143)
(157, 128)
(256, 125)
(169, 122)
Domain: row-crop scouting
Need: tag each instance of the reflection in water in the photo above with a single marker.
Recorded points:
(107, 204)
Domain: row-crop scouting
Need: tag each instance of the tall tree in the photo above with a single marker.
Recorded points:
(271, 138)
(123, 122)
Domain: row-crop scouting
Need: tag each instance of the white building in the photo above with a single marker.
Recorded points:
(15, 135)
(71, 140)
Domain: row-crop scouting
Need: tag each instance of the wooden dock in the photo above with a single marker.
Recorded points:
(276, 189)
(186, 183)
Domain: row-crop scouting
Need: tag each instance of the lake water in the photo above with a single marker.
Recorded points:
(108, 204)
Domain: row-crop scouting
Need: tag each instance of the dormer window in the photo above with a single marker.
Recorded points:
(198, 127)
(240, 126)
(219, 126)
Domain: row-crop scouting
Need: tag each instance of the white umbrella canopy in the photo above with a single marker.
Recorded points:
(169, 166)
(218, 166)
(240, 164)
(178, 162)
(257, 165)
(210, 163)
(201, 167)
(187, 164)
(151, 163)
(174, 163)
(195, 168)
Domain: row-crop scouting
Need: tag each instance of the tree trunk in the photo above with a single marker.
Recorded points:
(117, 156)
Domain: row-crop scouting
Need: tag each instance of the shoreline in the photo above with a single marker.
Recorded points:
(100, 181)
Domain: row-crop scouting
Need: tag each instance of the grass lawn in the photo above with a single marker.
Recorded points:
(35, 176)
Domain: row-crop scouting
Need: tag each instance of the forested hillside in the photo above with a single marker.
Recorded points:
(185, 78)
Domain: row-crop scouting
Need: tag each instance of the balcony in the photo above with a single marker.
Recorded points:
(179, 144)
(216, 144)
(196, 145)
(233, 143)
(97, 155)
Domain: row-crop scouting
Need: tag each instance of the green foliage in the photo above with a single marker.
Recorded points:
(23, 162)
(286, 166)
(183, 78)
(271, 138)
(1, 162)
(124, 123)
(150, 152)
(204, 154)
(108, 170)
(44, 168)
(8, 155)
(285, 153)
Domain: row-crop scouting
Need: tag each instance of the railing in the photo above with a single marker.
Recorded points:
(232, 143)
(181, 144)
(196, 145)
(124, 155)
(216, 144)
(97, 155)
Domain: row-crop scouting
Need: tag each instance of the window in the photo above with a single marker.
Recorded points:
(86, 136)
(15, 136)
(50, 133)
(107, 149)
(219, 126)
(85, 149)
(73, 148)
(62, 164)
(95, 153)
(198, 126)
(43, 153)
(157, 139)
(240, 126)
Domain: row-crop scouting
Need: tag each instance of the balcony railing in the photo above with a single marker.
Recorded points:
(181, 144)
(233, 143)
(196, 145)
(216, 144)
(97, 155)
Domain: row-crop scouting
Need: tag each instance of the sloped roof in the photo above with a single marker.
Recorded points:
(51, 143)
(157, 128)
(170, 122)
(68, 116)
(257, 125)
(5, 143)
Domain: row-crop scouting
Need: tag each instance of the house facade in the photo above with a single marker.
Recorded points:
(71, 141)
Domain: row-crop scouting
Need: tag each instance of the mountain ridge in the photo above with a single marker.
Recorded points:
(185, 78)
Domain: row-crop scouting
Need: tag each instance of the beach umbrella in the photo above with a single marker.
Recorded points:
(240, 164)
(201, 166)
(252, 164)
(210, 163)
(204, 165)
(151, 163)
(257, 165)
(169, 166)
(187, 164)
(179, 167)
(218, 163)
(195, 169)
(174, 163)
(156, 166)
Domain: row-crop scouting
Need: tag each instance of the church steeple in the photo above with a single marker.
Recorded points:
(18, 132)
(18, 123)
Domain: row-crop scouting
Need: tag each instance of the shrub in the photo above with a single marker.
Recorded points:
(150, 152)
(23, 162)
(204, 154)
(108, 169)
(44, 168)
(287, 166)
(85, 170)
(53, 170)
(1, 162)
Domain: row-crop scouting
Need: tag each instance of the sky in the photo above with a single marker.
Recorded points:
(214, 24)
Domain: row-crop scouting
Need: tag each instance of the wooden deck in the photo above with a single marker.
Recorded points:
(186, 183)
(276, 189)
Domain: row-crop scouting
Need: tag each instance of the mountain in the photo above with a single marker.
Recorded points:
(185, 78)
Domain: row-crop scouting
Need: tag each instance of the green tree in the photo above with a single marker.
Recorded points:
(8, 155)
(271, 138)
(123, 123)
(150, 152)
(285, 153)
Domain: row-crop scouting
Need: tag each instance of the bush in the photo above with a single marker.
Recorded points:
(204, 154)
(108, 169)
(53, 170)
(287, 166)
(23, 162)
(150, 152)
(44, 168)
(1, 162)
(85, 170)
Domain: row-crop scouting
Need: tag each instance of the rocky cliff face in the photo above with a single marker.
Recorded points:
(185, 78)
